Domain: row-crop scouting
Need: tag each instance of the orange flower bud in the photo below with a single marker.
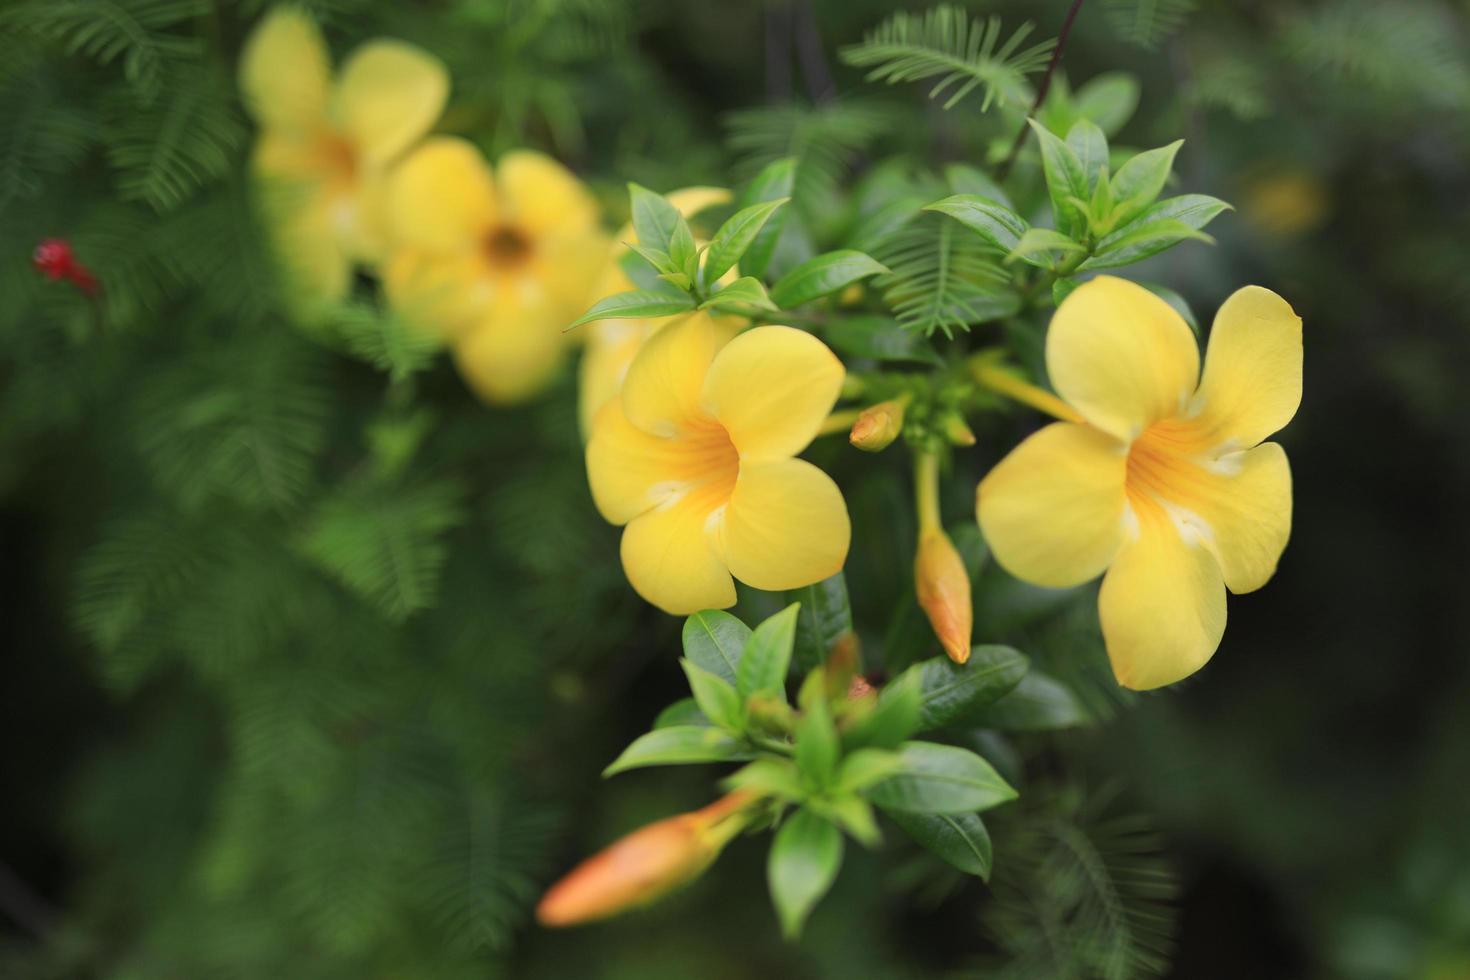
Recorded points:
(645, 865)
(957, 431)
(878, 425)
(944, 592)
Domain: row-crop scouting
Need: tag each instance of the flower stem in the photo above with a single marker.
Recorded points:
(1041, 91)
(839, 422)
(926, 490)
(1002, 382)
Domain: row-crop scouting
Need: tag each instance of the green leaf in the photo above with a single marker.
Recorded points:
(1108, 99)
(952, 692)
(1142, 242)
(654, 218)
(817, 744)
(739, 296)
(852, 813)
(1065, 180)
(682, 713)
(959, 838)
(767, 656)
(1140, 180)
(715, 697)
(822, 275)
(683, 253)
(967, 180)
(1062, 288)
(1036, 246)
(805, 858)
(825, 617)
(1091, 147)
(1039, 703)
(714, 640)
(735, 236)
(637, 304)
(1194, 210)
(659, 259)
(772, 183)
(769, 777)
(679, 745)
(893, 719)
(865, 768)
(990, 219)
(880, 338)
(941, 779)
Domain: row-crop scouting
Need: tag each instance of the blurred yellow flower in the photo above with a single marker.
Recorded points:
(611, 344)
(695, 456)
(325, 147)
(1285, 203)
(496, 263)
(1161, 478)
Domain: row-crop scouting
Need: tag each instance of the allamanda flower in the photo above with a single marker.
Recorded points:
(325, 147)
(1160, 477)
(695, 456)
(496, 263)
(612, 344)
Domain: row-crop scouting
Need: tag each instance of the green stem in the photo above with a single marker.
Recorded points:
(926, 490)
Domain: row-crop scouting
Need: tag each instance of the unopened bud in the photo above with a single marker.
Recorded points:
(877, 426)
(859, 688)
(645, 865)
(943, 586)
(957, 431)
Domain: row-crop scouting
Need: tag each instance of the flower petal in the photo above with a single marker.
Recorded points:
(773, 387)
(1121, 356)
(670, 557)
(388, 95)
(629, 470)
(442, 198)
(1248, 510)
(284, 72)
(442, 295)
(511, 354)
(611, 347)
(1052, 510)
(1162, 604)
(786, 525)
(541, 195)
(662, 388)
(689, 201)
(1252, 383)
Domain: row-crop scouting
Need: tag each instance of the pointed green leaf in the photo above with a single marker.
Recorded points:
(767, 656)
(772, 183)
(769, 777)
(654, 218)
(822, 275)
(715, 697)
(735, 236)
(1142, 242)
(805, 858)
(739, 296)
(964, 179)
(867, 767)
(1036, 246)
(993, 221)
(682, 713)
(1140, 180)
(657, 258)
(683, 253)
(1091, 147)
(894, 718)
(1039, 703)
(1108, 99)
(952, 692)
(959, 838)
(817, 744)
(941, 779)
(679, 745)
(880, 338)
(1065, 179)
(825, 617)
(637, 304)
(714, 640)
(853, 814)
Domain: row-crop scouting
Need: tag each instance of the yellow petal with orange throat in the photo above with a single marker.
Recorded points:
(629, 470)
(285, 72)
(772, 388)
(388, 96)
(440, 295)
(671, 557)
(1252, 383)
(1052, 510)
(1121, 356)
(442, 197)
(786, 525)
(510, 355)
(1162, 604)
(661, 392)
(543, 196)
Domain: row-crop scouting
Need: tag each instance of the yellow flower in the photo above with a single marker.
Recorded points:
(611, 344)
(695, 456)
(496, 263)
(1162, 479)
(325, 147)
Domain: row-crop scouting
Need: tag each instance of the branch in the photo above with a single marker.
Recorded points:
(1041, 91)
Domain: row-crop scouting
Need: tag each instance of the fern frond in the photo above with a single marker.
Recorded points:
(942, 277)
(135, 32)
(385, 341)
(1147, 23)
(43, 135)
(167, 148)
(963, 54)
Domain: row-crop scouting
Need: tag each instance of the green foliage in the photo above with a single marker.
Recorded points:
(942, 278)
(945, 43)
(1147, 23)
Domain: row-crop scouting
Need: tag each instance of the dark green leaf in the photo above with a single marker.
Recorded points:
(1091, 147)
(773, 182)
(1036, 246)
(714, 640)
(1065, 180)
(805, 858)
(880, 338)
(1039, 703)
(959, 838)
(679, 745)
(637, 304)
(952, 692)
(1142, 242)
(965, 179)
(767, 656)
(824, 618)
(990, 219)
(823, 274)
(735, 236)
(1108, 99)
(941, 779)
(1062, 288)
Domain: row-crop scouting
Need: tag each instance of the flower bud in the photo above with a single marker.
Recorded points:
(943, 586)
(957, 431)
(877, 426)
(645, 865)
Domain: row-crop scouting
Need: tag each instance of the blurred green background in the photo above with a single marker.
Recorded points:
(311, 674)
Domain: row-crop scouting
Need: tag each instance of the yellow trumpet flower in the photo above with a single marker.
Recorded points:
(612, 344)
(695, 456)
(1159, 476)
(326, 147)
(496, 263)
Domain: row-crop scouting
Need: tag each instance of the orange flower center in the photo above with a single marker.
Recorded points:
(507, 247)
(711, 462)
(338, 159)
(1164, 466)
